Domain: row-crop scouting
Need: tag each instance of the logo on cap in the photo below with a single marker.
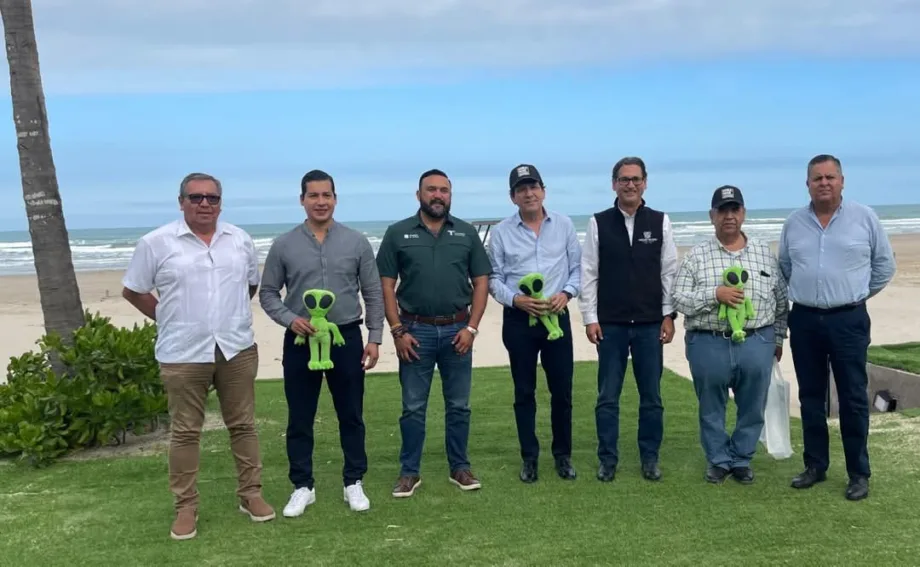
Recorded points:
(728, 193)
(523, 170)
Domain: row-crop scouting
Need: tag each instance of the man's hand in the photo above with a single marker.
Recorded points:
(535, 307)
(593, 331)
(778, 353)
(667, 330)
(729, 295)
(302, 327)
(405, 347)
(463, 341)
(370, 356)
(558, 302)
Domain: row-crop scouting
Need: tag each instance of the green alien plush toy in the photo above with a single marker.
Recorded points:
(736, 277)
(318, 303)
(532, 285)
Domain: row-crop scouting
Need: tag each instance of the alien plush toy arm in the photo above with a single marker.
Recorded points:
(318, 303)
(531, 285)
(337, 338)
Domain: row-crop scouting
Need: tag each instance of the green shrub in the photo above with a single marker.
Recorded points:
(111, 386)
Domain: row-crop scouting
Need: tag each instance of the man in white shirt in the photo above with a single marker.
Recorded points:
(205, 273)
(628, 264)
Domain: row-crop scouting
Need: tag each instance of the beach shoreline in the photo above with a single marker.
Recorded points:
(101, 292)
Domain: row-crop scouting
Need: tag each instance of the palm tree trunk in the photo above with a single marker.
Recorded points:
(57, 283)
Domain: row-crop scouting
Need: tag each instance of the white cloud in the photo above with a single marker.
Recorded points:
(193, 45)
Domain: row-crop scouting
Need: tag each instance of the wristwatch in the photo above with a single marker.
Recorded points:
(473, 330)
(567, 294)
(672, 315)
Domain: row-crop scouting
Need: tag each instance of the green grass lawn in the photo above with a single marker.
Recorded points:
(117, 511)
(903, 356)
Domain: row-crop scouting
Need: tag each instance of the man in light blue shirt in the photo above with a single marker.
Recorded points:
(835, 255)
(535, 240)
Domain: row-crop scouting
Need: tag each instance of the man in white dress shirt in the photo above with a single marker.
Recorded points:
(628, 265)
(204, 273)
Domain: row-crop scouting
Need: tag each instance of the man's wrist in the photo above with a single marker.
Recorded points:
(398, 330)
(472, 330)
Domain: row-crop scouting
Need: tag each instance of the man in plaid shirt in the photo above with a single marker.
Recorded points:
(717, 363)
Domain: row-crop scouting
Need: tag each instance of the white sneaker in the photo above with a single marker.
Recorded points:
(355, 497)
(300, 499)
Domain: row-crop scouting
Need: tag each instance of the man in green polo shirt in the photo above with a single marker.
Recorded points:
(443, 273)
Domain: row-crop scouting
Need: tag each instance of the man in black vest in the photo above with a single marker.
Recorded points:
(629, 261)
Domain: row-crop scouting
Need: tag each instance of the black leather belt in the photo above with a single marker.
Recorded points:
(458, 317)
(722, 334)
(829, 310)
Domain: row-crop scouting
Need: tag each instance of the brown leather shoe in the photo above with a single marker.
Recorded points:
(257, 509)
(184, 525)
(405, 486)
(465, 480)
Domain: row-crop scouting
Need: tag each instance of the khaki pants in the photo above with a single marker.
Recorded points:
(187, 392)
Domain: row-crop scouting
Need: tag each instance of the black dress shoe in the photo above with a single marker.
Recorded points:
(606, 473)
(857, 488)
(650, 471)
(565, 469)
(744, 475)
(808, 478)
(716, 475)
(529, 471)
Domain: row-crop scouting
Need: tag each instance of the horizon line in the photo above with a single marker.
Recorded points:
(471, 220)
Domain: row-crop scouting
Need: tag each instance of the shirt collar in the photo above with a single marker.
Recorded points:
(332, 227)
(448, 219)
(747, 242)
(840, 207)
(183, 228)
(547, 216)
(616, 203)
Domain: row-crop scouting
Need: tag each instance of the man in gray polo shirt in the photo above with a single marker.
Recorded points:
(323, 254)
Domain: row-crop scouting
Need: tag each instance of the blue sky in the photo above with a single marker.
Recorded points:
(375, 92)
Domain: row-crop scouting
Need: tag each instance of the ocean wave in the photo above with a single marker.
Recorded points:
(100, 254)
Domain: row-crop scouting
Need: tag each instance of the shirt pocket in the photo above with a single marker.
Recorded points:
(414, 257)
(857, 254)
(231, 266)
(458, 253)
(760, 290)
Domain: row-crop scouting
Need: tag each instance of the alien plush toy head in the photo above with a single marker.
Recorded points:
(532, 285)
(318, 302)
(735, 277)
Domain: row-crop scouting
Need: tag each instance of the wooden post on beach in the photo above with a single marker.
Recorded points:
(57, 283)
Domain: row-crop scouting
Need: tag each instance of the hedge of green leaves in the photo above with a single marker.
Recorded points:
(110, 386)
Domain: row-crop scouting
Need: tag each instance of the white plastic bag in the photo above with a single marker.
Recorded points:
(775, 435)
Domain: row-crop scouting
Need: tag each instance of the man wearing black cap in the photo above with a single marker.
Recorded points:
(717, 362)
(537, 240)
(628, 264)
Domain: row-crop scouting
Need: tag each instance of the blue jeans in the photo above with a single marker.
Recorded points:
(717, 364)
(456, 371)
(643, 341)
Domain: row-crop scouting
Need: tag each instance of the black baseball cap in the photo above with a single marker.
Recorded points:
(524, 172)
(727, 194)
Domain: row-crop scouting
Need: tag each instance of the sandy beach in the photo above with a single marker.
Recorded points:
(101, 292)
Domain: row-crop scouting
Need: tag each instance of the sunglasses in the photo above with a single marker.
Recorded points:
(197, 198)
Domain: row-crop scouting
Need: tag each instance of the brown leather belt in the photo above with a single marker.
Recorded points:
(458, 317)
